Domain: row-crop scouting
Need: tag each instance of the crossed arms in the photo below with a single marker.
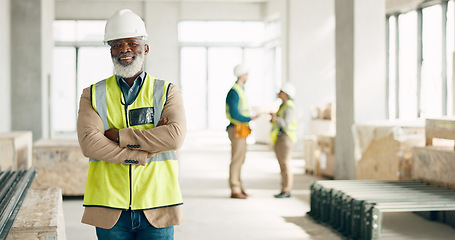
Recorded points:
(96, 145)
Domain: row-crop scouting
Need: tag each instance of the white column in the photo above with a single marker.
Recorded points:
(360, 74)
(5, 80)
(31, 64)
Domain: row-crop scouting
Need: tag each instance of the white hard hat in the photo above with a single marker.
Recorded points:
(124, 24)
(289, 89)
(240, 70)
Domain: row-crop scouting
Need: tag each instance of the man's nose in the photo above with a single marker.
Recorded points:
(125, 48)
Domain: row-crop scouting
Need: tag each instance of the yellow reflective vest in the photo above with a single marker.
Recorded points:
(243, 105)
(135, 187)
(291, 129)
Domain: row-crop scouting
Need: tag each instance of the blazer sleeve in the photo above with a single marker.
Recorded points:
(163, 138)
(93, 143)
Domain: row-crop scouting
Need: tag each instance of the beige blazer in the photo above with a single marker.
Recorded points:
(94, 144)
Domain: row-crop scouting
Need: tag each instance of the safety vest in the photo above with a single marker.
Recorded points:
(291, 129)
(242, 106)
(135, 187)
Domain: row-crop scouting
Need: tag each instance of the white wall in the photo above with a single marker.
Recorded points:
(312, 55)
(278, 9)
(5, 69)
(163, 60)
(221, 11)
(275, 9)
(308, 53)
(369, 61)
(102, 10)
(94, 10)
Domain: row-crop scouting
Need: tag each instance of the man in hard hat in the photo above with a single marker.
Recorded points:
(284, 136)
(130, 125)
(237, 111)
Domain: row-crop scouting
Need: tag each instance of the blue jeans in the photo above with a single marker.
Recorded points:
(133, 225)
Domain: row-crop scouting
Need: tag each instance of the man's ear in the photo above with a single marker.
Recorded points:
(146, 47)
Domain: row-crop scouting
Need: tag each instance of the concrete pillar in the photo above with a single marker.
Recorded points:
(163, 60)
(31, 64)
(360, 74)
(5, 94)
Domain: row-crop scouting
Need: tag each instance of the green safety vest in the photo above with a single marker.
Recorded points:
(291, 129)
(243, 105)
(135, 187)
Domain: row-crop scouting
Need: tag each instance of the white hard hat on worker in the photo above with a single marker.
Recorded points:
(289, 89)
(124, 24)
(240, 70)
(126, 35)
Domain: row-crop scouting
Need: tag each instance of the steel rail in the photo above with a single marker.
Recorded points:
(14, 192)
(354, 207)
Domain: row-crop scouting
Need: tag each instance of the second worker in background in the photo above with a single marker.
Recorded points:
(283, 136)
(237, 111)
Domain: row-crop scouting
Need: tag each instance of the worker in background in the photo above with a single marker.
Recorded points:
(130, 125)
(237, 111)
(283, 136)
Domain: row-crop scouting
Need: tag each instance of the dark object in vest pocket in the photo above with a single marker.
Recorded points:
(141, 116)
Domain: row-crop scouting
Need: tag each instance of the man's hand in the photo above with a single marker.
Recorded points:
(112, 134)
(162, 122)
(273, 117)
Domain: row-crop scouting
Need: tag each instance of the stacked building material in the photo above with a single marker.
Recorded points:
(384, 149)
(61, 164)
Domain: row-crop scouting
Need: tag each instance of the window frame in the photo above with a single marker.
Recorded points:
(419, 61)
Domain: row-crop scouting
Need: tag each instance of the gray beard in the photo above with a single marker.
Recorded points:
(129, 70)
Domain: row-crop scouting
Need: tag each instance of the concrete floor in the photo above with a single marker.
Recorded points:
(211, 214)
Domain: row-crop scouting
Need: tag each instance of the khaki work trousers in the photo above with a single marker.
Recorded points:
(283, 152)
(238, 152)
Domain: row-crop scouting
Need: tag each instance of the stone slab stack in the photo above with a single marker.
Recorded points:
(40, 217)
(60, 164)
(16, 150)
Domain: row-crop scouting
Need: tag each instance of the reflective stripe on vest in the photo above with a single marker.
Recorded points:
(291, 129)
(242, 106)
(124, 186)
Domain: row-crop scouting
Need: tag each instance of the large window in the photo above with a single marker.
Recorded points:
(209, 53)
(450, 48)
(392, 68)
(80, 59)
(407, 85)
(432, 77)
(420, 65)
